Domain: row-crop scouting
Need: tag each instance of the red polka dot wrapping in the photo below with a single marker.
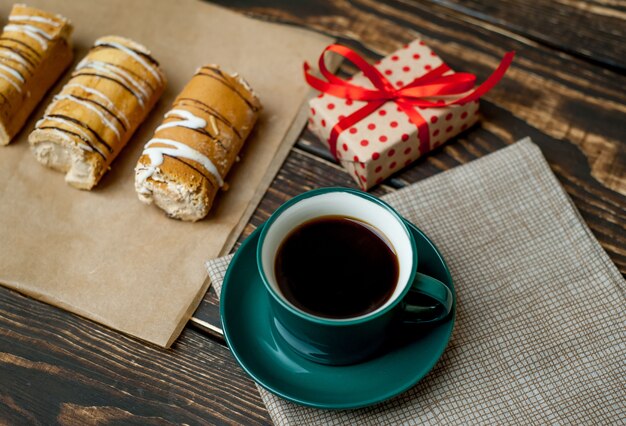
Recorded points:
(374, 148)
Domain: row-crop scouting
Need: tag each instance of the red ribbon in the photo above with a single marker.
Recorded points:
(418, 93)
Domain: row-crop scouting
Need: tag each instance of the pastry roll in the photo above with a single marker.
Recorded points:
(184, 164)
(35, 49)
(89, 122)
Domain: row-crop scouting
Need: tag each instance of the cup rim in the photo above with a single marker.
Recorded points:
(334, 321)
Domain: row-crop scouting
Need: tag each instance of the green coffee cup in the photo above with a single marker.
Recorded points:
(349, 340)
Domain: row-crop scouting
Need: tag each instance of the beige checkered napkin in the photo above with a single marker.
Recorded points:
(540, 336)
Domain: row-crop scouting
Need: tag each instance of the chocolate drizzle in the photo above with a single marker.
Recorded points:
(10, 61)
(15, 70)
(16, 66)
(188, 164)
(20, 54)
(211, 111)
(21, 43)
(84, 126)
(91, 101)
(86, 141)
(106, 77)
(134, 74)
(111, 67)
(138, 52)
(218, 75)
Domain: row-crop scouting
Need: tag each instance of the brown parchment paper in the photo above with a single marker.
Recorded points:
(104, 255)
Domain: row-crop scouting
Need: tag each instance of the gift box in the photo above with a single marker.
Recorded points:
(382, 119)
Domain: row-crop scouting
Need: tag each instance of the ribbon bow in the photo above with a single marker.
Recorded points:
(418, 93)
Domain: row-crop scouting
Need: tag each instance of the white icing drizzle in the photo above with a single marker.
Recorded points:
(14, 56)
(142, 177)
(118, 74)
(35, 33)
(178, 150)
(67, 138)
(135, 56)
(91, 107)
(189, 120)
(12, 72)
(31, 18)
(11, 82)
(74, 128)
(68, 123)
(103, 97)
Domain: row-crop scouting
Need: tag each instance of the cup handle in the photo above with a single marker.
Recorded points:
(434, 289)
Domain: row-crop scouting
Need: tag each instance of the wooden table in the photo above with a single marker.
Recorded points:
(565, 90)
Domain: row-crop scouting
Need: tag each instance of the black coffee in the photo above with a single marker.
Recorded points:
(336, 267)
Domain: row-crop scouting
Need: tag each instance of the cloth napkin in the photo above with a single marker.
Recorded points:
(540, 336)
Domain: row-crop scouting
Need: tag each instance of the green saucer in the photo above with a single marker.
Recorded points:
(248, 328)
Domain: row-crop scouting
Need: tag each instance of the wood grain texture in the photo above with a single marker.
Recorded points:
(57, 368)
(595, 31)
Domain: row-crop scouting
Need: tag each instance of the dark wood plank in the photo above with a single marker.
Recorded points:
(592, 30)
(57, 368)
